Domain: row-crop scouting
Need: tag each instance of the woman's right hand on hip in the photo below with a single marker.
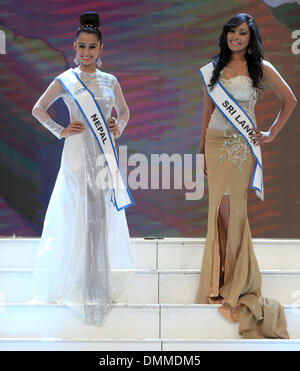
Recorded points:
(75, 127)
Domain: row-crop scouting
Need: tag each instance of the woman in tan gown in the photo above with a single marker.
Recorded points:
(230, 274)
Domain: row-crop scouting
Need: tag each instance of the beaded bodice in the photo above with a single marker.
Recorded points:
(241, 89)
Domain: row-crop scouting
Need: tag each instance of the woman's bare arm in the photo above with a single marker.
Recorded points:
(207, 111)
(288, 103)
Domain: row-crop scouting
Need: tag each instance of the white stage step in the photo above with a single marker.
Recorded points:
(157, 286)
(127, 321)
(175, 345)
(77, 344)
(196, 326)
(158, 311)
(167, 253)
(149, 345)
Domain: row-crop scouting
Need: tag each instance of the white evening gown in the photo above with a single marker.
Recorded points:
(84, 259)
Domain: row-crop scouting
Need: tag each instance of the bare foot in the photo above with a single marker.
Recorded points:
(226, 312)
(236, 313)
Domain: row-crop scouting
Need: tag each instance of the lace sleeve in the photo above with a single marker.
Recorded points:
(39, 111)
(121, 108)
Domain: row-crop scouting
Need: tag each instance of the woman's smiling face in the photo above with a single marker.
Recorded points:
(238, 37)
(87, 48)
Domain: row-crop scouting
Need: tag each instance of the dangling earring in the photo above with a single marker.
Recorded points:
(98, 61)
(249, 50)
(76, 60)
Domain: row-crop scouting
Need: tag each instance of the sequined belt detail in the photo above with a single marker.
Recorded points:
(230, 133)
(235, 149)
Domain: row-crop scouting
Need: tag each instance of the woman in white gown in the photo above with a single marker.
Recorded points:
(84, 259)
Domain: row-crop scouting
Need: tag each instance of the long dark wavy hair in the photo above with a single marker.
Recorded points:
(254, 54)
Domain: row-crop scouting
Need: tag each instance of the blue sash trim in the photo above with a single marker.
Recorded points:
(236, 128)
(109, 135)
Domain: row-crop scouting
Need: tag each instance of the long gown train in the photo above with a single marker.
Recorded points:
(230, 273)
(84, 260)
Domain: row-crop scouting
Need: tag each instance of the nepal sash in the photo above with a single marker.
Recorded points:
(239, 119)
(91, 111)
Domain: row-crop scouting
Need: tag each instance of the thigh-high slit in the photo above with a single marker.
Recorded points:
(230, 273)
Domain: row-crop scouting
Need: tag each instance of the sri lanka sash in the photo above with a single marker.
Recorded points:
(239, 119)
(91, 111)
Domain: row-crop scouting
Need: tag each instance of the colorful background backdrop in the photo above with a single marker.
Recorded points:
(155, 49)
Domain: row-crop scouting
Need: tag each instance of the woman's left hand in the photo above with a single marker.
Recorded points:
(260, 137)
(112, 126)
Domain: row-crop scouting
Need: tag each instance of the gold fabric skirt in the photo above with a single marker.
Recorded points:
(230, 274)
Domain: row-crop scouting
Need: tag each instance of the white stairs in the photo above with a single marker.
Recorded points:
(156, 312)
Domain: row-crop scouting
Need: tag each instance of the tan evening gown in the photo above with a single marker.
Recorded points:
(230, 274)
